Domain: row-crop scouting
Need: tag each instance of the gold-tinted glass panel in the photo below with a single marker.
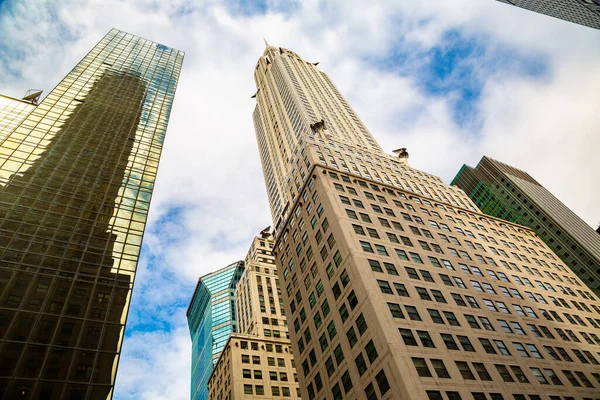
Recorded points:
(73, 176)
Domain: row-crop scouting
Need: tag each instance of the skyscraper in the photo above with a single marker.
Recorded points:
(12, 113)
(511, 194)
(395, 285)
(211, 319)
(257, 361)
(582, 12)
(76, 178)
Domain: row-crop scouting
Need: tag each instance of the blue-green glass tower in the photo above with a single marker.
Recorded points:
(211, 318)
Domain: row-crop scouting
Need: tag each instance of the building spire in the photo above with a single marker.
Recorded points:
(266, 43)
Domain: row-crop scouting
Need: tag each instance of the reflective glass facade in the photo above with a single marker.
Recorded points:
(511, 194)
(211, 318)
(12, 113)
(76, 178)
(582, 12)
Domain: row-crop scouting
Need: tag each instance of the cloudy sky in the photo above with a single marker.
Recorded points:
(451, 80)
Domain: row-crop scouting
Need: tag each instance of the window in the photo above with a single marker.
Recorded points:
(534, 351)
(464, 370)
(401, 254)
(502, 347)
(459, 282)
(412, 273)
(401, 289)
(449, 341)
(421, 367)
(440, 368)
(416, 258)
(584, 379)
(339, 354)
(465, 343)
(487, 346)
(361, 365)
(366, 246)
(385, 287)
(426, 276)
(504, 373)
(436, 317)
(331, 330)
(519, 374)
(382, 382)
(329, 366)
(486, 324)
(451, 318)
(346, 382)
(413, 314)
(381, 250)
(425, 339)
(438, 296)
(472, 302)
(390, 268)
(343, 313)
(373, 233)
(395, 310)
(521, 349)
(407, 337)
(371, 351)
(459, 300)
(361, 324)
(482, 372)
(351, 335)
(539, 375)
(423, 293)
(552, 376)
(358, 229)
(350, 213)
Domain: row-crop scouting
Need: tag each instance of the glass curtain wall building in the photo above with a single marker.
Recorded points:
(76, 178)
(511, 194)
(582, 12)
(395, 285)
(12, 112)
(211, 319)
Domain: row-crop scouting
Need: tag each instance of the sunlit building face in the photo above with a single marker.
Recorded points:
(76, 177)
(395, 285)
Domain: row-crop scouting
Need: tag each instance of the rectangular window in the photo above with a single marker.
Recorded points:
(465, 370)
(421, 367)
(440, 368)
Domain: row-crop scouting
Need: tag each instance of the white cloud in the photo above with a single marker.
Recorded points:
(155, 365)
(210, 169)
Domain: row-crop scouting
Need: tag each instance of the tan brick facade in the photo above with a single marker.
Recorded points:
(395, 285)
(257, 363)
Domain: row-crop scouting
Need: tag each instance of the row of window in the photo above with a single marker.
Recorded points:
(259, 390)
(448, 317)
(451, 395)
(512, 373)
(366, 218)
(495, 306)
(257, 361)
(273, 375)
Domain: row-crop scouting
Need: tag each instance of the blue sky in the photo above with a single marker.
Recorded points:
(451, 81)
